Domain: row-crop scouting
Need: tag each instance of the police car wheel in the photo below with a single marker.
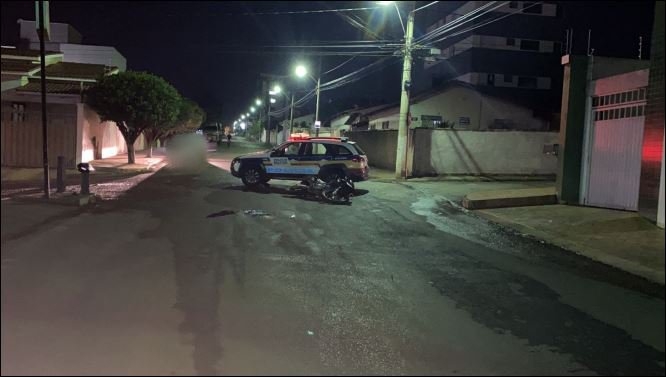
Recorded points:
(253, 176)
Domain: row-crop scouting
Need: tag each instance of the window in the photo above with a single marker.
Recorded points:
(510, 41)
(617, 97)
(527, 82)
(508, 78)
(526, 44)
(634, 95)
(290, 149)
(337, 150)
(491, 79)
(602, 100)
(385, 125)
(622, 113)
(18, 112)
(641, 94)
(623, 98)
(316, 149)
(513, 4)
(431, 121)
(596, 115)
(633, 111)
(617, 113)
(532, 8)
(595, 101)
(604, 115)
(640, 111)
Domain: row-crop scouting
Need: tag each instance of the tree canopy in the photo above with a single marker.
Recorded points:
(135, 101)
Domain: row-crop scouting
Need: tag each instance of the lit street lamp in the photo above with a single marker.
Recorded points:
(257, 102)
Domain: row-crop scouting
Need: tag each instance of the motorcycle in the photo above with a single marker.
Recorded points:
(337, 191)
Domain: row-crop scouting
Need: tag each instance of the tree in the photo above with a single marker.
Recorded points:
(189, 119)
(136, 102)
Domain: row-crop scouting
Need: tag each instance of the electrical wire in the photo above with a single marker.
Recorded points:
(425, 6)
(277, 13)
(467, 17)
(343, 63)
(485, 23)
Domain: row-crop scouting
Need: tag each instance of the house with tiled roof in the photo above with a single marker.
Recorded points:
(74, 130)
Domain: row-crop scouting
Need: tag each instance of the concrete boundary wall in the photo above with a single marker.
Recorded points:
(443, 152)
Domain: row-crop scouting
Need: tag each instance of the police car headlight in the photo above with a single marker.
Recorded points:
(235, 165)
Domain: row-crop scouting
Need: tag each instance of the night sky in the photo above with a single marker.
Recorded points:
(213, 53)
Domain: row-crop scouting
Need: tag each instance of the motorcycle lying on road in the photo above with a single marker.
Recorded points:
(339, 190)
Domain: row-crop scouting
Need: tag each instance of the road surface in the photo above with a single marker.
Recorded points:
(174, 278)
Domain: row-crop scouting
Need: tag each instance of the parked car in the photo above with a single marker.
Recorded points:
(213, 133)
(297, 159)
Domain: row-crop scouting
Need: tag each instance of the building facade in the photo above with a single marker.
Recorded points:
(517, 56)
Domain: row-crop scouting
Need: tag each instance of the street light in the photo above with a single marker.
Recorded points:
(252, 109)
(257, 102)
(242, 116)
(301, 71)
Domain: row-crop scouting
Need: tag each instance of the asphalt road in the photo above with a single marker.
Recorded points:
(174, 278)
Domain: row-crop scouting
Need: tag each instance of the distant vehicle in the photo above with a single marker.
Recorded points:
(300, 158)
(213, 133)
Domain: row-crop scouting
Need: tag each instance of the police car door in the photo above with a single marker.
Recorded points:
(317, 156)
(283, 162)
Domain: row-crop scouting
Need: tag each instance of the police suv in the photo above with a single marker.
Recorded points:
(298, 158)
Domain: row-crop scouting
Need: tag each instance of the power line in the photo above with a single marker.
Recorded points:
(467, 17)
(486, 23)
(277, 13)
(425, 6)
(343, 63)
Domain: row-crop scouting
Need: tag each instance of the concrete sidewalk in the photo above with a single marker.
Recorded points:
(118, 163)
(141, 162)
(510, 198)
(617, 238)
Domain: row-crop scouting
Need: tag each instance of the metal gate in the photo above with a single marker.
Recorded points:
(616, 144)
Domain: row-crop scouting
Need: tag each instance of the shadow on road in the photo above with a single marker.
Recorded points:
(283, 190)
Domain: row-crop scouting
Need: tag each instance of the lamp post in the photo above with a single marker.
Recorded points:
(401, 150)
(302, 71)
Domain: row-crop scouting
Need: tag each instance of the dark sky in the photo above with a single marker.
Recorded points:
(197, 46)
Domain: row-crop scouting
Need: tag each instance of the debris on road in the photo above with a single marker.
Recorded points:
(311, 333)
(257, 212)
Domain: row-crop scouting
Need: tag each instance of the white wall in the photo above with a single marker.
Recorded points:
(459, 102)
(60, 33)
(77, 53)
(465, 152)
(621, 83)
(110, 141)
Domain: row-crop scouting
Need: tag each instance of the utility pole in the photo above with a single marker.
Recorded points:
(401, 151)
(291, 114)
(317, 105)
(317, 108)
(45, 132)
